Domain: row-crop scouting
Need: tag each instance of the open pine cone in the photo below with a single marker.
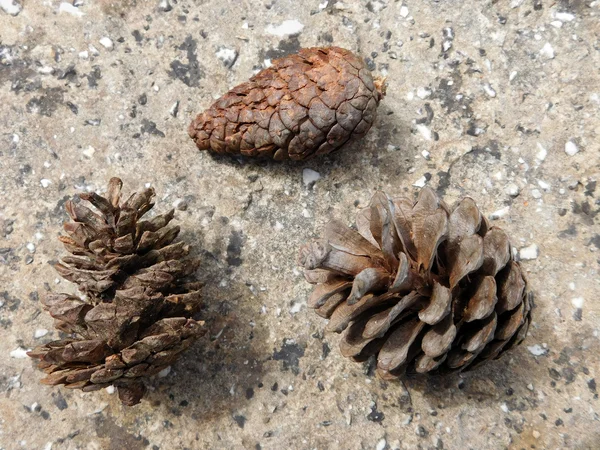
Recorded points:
(137, 316)
(424, 287)
(306, 104)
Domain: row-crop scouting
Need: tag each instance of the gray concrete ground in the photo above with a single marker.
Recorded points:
(498, 100)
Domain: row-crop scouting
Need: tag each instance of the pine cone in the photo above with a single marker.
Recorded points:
(423, 287)
(136, 318)
(306, 104)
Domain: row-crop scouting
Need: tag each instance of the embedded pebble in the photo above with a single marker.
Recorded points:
(423, 92)
(564, 16)
(537, 350)
(536, 434)
(542, 152)
(45, 182)
(404, 11)
(174, 109)
(420, 182)
(577, 302)
(310, 177)
(228, 56)
(528, 253)
(489, 90)
(571, 148)
(107, 43)
(89, 151)
(12, 7)
(499, 213)
(535, 193)
(163, 373)
(40, 333)
(547, 51)
(19, 353)
(381, 444)
(286, 28)
(164, 6)
(69, 8)
(545, 186)
(425, 131)
(512, 189)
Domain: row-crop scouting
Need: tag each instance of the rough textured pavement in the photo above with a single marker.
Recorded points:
(499, 100)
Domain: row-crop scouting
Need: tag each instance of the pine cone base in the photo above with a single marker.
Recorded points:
(425, 288)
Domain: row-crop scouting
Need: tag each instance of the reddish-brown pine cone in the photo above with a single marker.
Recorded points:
(423, 287)
(306, 104)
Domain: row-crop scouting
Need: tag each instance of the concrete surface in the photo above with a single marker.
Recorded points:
(499, 100)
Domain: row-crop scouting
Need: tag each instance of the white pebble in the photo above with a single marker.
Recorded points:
(556, 23)
(571, 149)
(310, 177)
(31, 247)
(423, 93)
(504, 407)
(564, 16)
(93, 50)
(528, 253)
(530, 387)
(577, 302)
(287, 28)
(228, 56)
(84, 55)
(545, 186)
(11, 7)
(45, 182)
(174, 109)
(110, 389)
(163, 373)
(425, 154)
(107, 43)
(296, 307)
(512, 189)
(381, 444)
(547, 51)
(535, 193)
(69, 8)
(542, 152)
(404, 11)
(19, 353)
(512, 75)
(489, 90)
(537, 350)
(420, 182)
(425, 131)
(39, 333)
(89, 152)
(499, 213)
(536, 434)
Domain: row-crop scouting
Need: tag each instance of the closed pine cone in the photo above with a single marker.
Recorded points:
(137, 316)
(306, 104)
(424, 287)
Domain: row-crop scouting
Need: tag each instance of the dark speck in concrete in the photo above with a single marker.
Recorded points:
(240, 420)
(234, 248)
(93, 77)
(290, 354)
(374, 415)
(190, 73)
(47, 103)
(149, 127)
(59, 401)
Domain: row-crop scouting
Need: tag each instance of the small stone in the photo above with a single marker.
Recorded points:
(77, 3)
(110, 390)
(504, 407)
(164, 6)
(545, 186)
(107, 43)
(310, 177)
(31, 247)
(537, 350)
(421, 431)
(536, 434)
(180, 204)
(512, 75)
(489, 90)
(512, 189)
(423, 93)
(564, 16)
(19, 353)
(535, 193)
(547, 51)
(45, 182)
(40, 333)
(404, 11)
(556, 24)
(174, 110)
(381, 444)
(577, 302)
(499, 213)
(69, 8)
(529, 253)
(425, 131)
(89, 151)
(530, 387)
(287, 28)
(11, 7)
(163, 373)
(84, 55)
(420, 182)
(571, 148)
(228, 56)
(542, 152)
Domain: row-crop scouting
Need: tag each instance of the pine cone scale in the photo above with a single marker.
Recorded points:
(423, 287)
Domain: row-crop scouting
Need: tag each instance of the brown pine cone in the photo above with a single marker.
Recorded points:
(137, 315)
(424, 287)
(306, 104)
